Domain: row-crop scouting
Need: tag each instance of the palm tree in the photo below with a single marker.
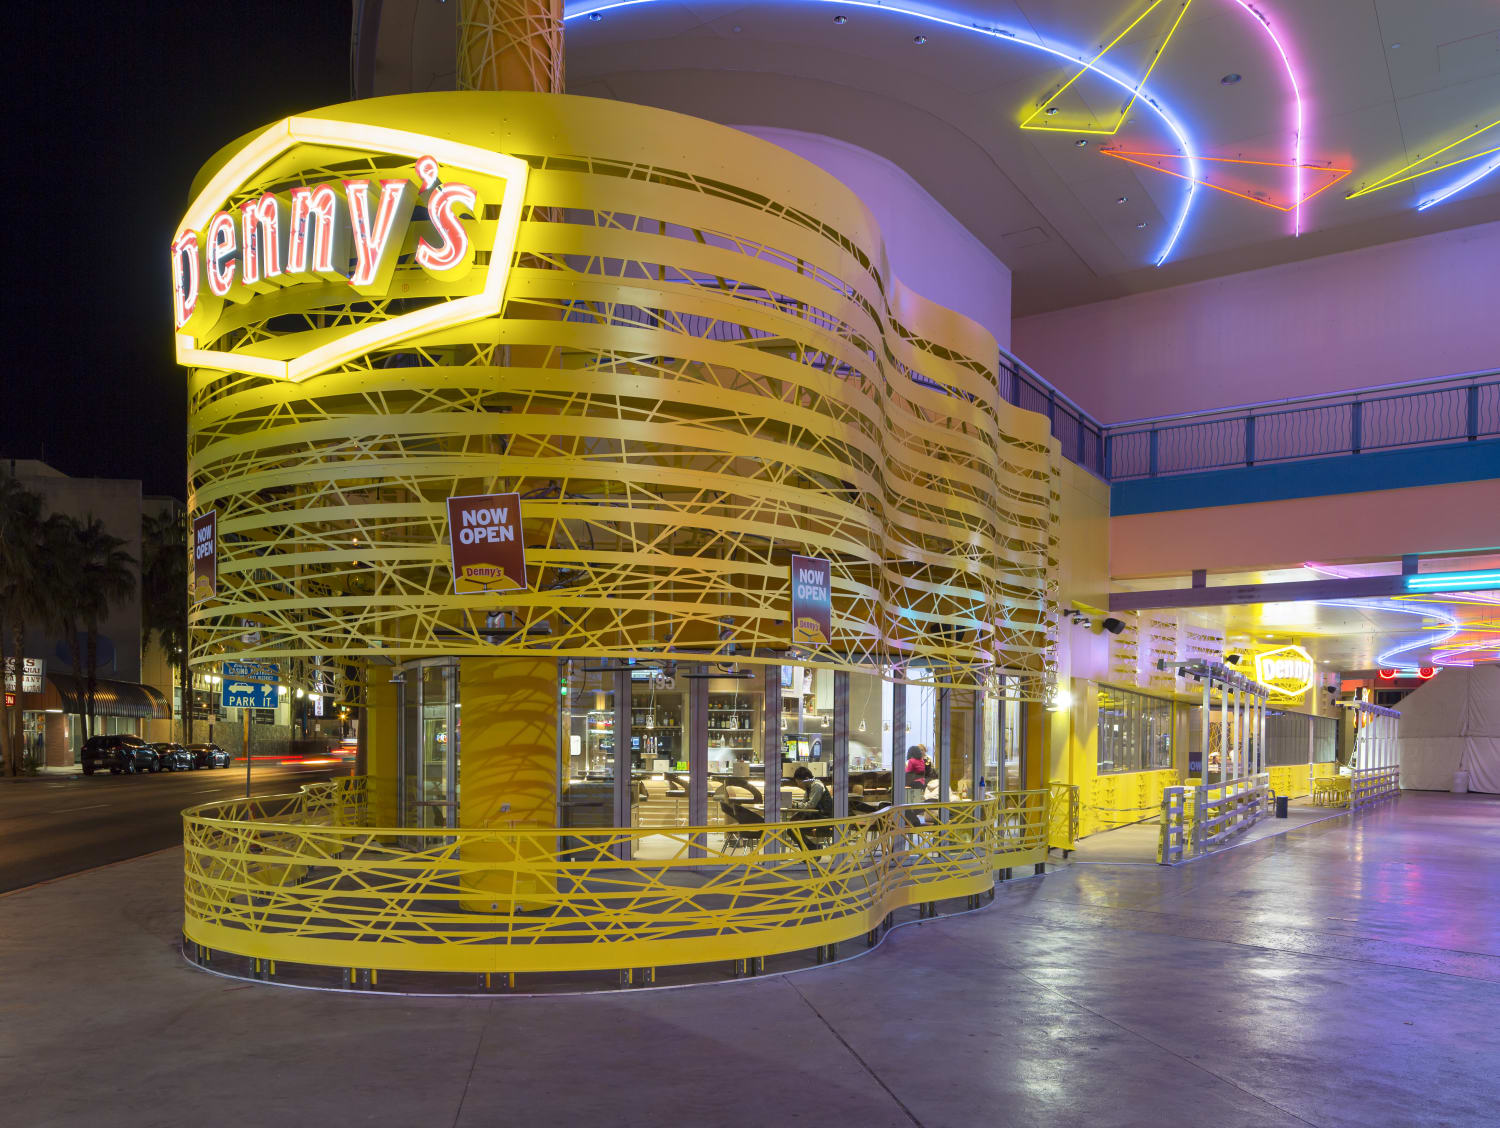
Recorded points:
(22, 572)
(105, 578)
(164, 598)
(63, 594)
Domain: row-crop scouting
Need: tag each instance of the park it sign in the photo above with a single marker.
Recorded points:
(271, 220)
(812, 601)
(489, 553)
(1288, 671)
(206, 556)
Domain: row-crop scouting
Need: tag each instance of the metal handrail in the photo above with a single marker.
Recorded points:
(1320, 397)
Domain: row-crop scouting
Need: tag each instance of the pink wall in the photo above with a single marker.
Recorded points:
(1402, 311)
(930, 251)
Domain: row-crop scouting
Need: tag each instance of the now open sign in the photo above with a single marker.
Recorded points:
(489, 552)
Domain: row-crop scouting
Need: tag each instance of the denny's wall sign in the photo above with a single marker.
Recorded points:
(489, 553)
(285, 228)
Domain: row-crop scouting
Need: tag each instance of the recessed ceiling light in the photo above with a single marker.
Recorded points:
(1051, 110)
(1140, 226)
(1081, 143)
(1229, 79)
(1123, 200)
(919, 39)
(595, 17)
(1395, 46)
(840, 19)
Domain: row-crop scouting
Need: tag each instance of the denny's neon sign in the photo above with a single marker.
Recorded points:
(345, 232)
(1288, 670)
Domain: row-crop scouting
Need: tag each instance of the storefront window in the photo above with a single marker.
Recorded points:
(588, 770)
(1135, 731)
(962, 742)
(429, 744)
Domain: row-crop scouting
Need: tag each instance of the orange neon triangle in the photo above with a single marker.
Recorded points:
(1327, 175)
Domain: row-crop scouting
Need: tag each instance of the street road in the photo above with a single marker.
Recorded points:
(56, 825)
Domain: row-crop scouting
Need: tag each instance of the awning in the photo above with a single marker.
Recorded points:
(112, 698)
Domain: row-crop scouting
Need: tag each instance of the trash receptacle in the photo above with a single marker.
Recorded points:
(1460, 783)
(1281, 802)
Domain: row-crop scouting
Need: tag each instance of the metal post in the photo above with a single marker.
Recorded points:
(1153, 434)
(624, 784)
(976, 742)
(1203, 748)
(771, 725)
(944, 741)
(1223, 733)
(1250, 439)
(840, 744)
(898, 741)
(245, 744)
(1356, 428)
(1471, 412)
(697, 720)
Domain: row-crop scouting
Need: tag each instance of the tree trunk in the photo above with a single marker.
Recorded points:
(184, 679)
(92, 656)
(70, 628)
(8, 752)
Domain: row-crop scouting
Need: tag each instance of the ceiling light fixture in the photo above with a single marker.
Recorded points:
(1081, 143)
(919, 39)
(1230, 79)
(1140, 226)
(1123, 200)
(840, 19)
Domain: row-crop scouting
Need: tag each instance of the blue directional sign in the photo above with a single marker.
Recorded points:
(249, 685)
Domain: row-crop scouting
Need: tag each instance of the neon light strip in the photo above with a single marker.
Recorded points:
(1451, 627)
(1297, 135)
(1453, 581)
(1460, 186)
(589, 9)
(1128, 155)
(1391, 182)
(1160, 51)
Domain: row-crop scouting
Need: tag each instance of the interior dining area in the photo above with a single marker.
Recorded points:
(680, 745)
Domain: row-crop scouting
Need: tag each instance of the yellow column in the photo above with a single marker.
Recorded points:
(381, 720)
(508, 772)
(510, 45)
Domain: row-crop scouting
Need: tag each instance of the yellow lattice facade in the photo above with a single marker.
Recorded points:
(702, 365)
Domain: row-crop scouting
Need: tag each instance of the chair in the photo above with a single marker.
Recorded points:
(741, 816)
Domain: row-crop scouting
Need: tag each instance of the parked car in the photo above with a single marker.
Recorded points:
(120, 753)
(209, 756)
(174, 757)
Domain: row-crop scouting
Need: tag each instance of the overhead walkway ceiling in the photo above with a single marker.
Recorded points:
(1381, 84)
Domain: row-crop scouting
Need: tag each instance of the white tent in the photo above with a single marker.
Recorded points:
(1449, 725)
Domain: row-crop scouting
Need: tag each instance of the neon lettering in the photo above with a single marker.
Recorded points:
(319, 231)
(450, 258)
(223, 255)
(185, 278)
(377, 241)
(263, 241)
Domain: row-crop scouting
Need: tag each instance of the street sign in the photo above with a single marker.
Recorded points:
(250, 685)
(252, 671)
(240, 694)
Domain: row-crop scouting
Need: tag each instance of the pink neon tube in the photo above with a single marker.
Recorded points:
(1297, 93)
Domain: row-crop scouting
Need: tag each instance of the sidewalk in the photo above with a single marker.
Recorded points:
(1224, 993)
(73, 771)
(1136, 844)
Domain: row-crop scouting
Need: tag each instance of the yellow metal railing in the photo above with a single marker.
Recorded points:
(300, 879)
(1062, 824)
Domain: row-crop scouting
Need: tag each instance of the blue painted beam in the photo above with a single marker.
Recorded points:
(1316, 477)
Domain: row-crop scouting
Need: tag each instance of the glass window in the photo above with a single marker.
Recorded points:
(1135, 731)
(588, 774)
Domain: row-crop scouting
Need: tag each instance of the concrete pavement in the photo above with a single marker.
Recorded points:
(1344, 974)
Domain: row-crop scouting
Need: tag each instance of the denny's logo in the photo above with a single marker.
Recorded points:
(1288, 670)
(257, 230)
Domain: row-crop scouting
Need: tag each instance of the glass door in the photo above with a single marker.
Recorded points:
(588, 771)
(429, 743)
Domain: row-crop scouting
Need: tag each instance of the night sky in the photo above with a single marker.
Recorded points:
(118, 106)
